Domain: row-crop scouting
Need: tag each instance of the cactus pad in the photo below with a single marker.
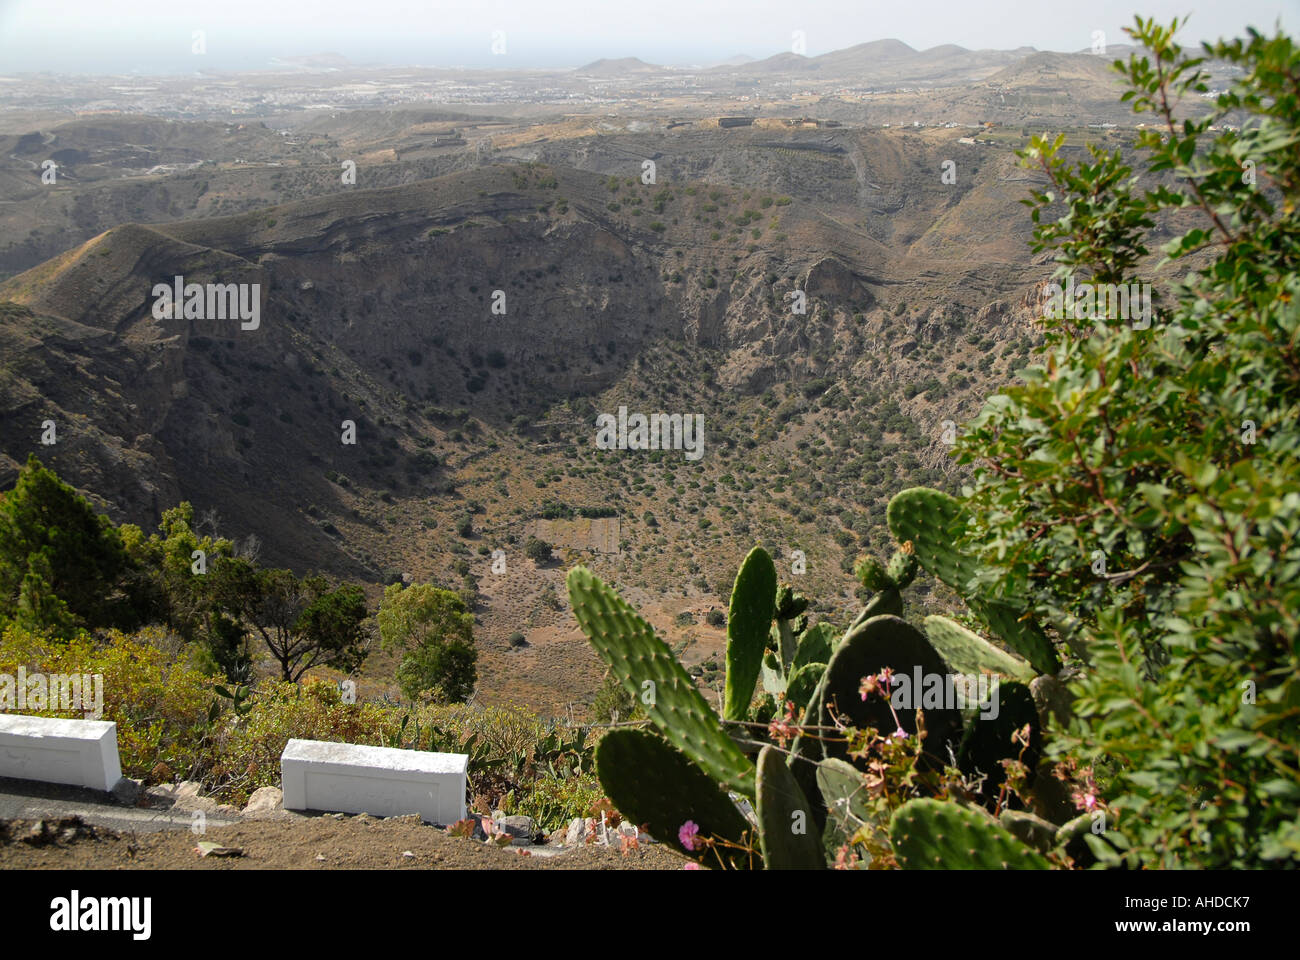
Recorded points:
(902, 567)
(933, 521)
(753, 601)
(934, 835)
(774, 680)
(815, 645)
(844, 794)
(653, 785)
(803, 683)
(968, 652)
(787, 830)
(649, 672)
(988, 741)
(1024, 636)
(871, 573)
(865, 651)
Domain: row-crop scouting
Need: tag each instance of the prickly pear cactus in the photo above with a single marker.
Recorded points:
(936, 835)
(651, 674)
(787, 830)
(988, 740)
(753, 602)
(789, 604)
(968, 652)
(774, 680)
(865, 651)
(844, 793)
(871, 572)
(806, 751)
(814, 645)
(803, 683)
(658, 788)
(1030, 829)
(902, 566)
(933, 521)
(1022, 635)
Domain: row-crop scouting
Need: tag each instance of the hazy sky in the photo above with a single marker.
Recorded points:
(155, 36)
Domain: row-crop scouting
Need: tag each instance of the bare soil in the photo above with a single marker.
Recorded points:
(302, 843)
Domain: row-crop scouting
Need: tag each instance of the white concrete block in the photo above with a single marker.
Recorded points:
(80, 752)
(380, 781)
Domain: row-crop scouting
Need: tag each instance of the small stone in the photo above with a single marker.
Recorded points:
(408, 853)
(127, 791)
(36, 835)
(162, 791)
(264, 801)
(576, 833)
(519, 828)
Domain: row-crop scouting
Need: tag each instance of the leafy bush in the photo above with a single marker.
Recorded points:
(433, 629)
(537, 550)
(158, 700)
(553, 801)
(1143, 485)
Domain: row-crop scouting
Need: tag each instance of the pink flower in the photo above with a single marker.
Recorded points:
(880, 683)
(900, 734)
(691, 866)
(783, 730)
(686, 834)
(1085, 797)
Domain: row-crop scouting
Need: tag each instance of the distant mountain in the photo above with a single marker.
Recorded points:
(624, 66)
(739, 60)
(865, 55)
(889, 61)
(1057, 70)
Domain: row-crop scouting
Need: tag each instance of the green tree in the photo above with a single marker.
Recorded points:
(1142, 485)
(60, 562)
(178, 578)
(434, 630)
(537, 550)
(303, 622)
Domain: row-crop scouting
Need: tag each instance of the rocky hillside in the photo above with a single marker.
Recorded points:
(377, 307)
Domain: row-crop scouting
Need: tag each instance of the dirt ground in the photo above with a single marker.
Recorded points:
(302, 843)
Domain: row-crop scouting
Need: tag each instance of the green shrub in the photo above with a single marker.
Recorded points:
(158, 700)
(1143, 484)
(552, 801)
(433, 629)
(537, 550)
